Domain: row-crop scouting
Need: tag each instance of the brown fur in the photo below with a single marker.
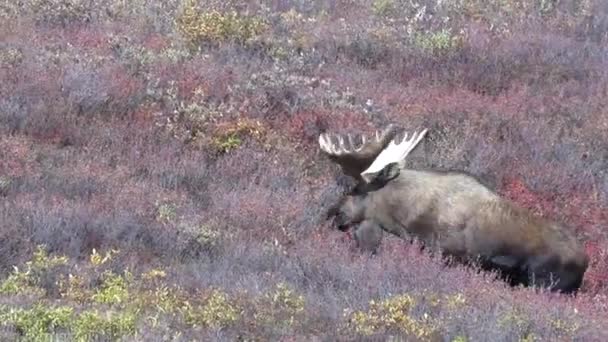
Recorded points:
(457, 215)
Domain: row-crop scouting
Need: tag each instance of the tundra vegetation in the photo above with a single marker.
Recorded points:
(161, 179)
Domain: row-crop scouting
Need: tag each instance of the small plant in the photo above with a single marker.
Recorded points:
(437, 43)
(391, 314)
(215, 27)
(280, 308)
(62, 12)
(10, 57)
(154, 274)
(20, 282)
(208, 236)
(567, 328)
(227, 142)
(230, 136)
(93, 324)
(74, 288)
(42, 260)
(383, 8)
(96, 259)
(529, 338)
(27, 281)
(165, 212)
(519, 321)
(162, 298)
(114, 289)
(217, 312)
(39, 322)
(455, 301)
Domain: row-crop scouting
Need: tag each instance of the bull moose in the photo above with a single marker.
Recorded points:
(448, 211)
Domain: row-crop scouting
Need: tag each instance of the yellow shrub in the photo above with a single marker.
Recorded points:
(61, 11)
(154, 274)
(9, 57)
(74, 288)
(96, 258)
(515, 318)
(165, 212)
(230, 136)
(26, 281)
(20, 282)
(565, 327)
(455, 301)
(114, 289)
(91, 324)
(217, 311)
(198, 26)
(392, 313)
(38, 322)
(383, 8)
(280, 307)
(439, 42)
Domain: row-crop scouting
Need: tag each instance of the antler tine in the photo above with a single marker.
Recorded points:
(325, 143)
(363, 139)
(336, 146)
(412, 142)
(351, 142)
(339, 146)
(352, 157)
(395, 152)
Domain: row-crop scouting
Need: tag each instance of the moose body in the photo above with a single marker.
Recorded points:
(457, 215)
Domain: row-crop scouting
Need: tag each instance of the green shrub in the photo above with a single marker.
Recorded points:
(383, 8)
(230, 136)
(114, 289)
(218, 311)
(27, 281)
(280, 308)
(392, 314)
(437, 43)
(9, 57)
(39, 322)
(62, 12)
(93, 324)
(165, 212)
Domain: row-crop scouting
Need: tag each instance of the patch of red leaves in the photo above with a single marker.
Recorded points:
(144, 114)
(596, 277)
(88, 38)
(515, 190)
(16, 156)
(156, 42)
(306, 126)
(122, 85)
(189, 82)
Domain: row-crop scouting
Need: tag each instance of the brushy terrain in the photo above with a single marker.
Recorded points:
(160, 177)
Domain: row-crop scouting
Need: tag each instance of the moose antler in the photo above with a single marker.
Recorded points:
(393, 153)
(354, 160)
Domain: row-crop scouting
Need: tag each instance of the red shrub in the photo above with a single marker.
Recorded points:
(156, 42)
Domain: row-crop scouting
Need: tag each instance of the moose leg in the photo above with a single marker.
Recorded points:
(368, 236)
